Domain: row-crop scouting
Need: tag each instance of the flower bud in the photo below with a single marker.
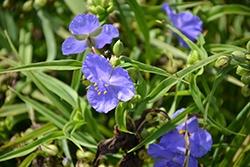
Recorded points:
(238, 53)
(84, 155)
(247, 56)
(245, 79)
(248, 46)
(40, 3)
(100, 10)
(118, 48)
(222, 62)
(193, 57)
(242, 71)
(27, 6)
(114, 60)
(245, 91)
(6, 3)
(50, 149)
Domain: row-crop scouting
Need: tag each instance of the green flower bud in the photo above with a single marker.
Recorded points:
(118, 48)
(114, 60)
(222, 62)
(40, 3)
(238, 54)
(242, 71)
(27, 6)
(245, 91)
(50, 149)
(248, 46)
(85, 155)
(100, 10)
(245, 79)
(6, 3)
(247, 56)
(193, 57)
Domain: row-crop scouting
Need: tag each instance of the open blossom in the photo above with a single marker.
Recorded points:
(109, 85)
(186, 22)
(173, 147)
(86, 31)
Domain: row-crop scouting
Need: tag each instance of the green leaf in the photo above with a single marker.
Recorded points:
(167, 83)
(144, 67)
(52, 65)
(49, 35)
(45, 129)
(28, 160)
(14, 109)
(121, 116)
(59, 88)
(22, 151)
(142, 24)
(218, 11)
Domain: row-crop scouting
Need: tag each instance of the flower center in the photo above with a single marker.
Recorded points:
(101, 88)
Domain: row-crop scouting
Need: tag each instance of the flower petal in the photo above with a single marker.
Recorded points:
(191, 125)
(167, 9)
(173, 141)
(105, 37)
(73, 46)
(96, 68)
(200, 143)
(102, 103)
(188, 24)
(192, 162)
(83, 24)
(121, 84)
(158, 151)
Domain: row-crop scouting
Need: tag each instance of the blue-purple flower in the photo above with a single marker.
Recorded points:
(185, 143)
(186, 22)
(109, 85)
(86, 31)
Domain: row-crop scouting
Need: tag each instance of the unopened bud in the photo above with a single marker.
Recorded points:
(222, 62)
(248, 56)
(40, 3)
(248, 46)
(238, 54)
(242, 71)
(114, 60)
(100, 10)
(245, 79)
(193, 57)
(50, 149)
(27, 6)
(84, 155)
(245, 91)
(118, 48)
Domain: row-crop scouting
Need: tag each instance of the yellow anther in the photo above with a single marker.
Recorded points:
(96, 88)
(99, 93)
(105, 92)
(182, 132)
(106, 85)
(95, 84)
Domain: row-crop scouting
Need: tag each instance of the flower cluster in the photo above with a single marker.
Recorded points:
(184, 144)
(186, 22)
(109, 84)
(87, 32)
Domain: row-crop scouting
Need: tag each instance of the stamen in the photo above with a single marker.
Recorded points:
(106, 85)
(99, 93)
(95, 84)
(105, 92)
(96, 88)
(181, 132)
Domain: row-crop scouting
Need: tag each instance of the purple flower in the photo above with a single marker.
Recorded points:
(172, 148)
(186, 22)
(86, 32)
(109, 85)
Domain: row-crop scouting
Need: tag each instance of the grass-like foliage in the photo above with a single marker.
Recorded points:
(130, 83)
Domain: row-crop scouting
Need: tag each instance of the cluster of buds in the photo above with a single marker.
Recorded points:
(243, 69)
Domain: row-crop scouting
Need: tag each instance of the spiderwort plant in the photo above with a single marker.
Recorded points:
(87, 32)
(184, 144)
(186, 22)
(109, 85)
